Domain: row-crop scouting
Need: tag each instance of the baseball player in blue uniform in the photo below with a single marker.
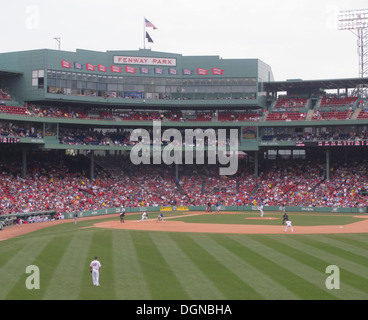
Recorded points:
(160, 217)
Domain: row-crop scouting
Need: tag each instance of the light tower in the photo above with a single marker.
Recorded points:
(58, 40)
(356, 21)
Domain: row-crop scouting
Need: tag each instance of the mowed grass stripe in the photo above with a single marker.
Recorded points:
(128, 274)
(8, 249)
(161, 279)
(354, 265)
(281, 267)
(100, 246)
(195, 282)
(232, 257)
(357, 244)
(337, 250)
(46, 262)
(354, 285)
(222, 276)
(297, 261)
(67, 279)
(14, 269)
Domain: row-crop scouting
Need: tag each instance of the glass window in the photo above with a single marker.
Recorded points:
(112, 87)
(159, 89)
(81, 84)
(237, 89)
(91, 85)
(51, 82)
(101, 86)
(38, 78)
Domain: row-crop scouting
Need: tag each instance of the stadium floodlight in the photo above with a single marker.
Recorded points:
(356, 21)
(353, 20)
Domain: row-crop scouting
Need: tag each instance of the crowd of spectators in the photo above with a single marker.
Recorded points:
(15, 130)
(4, 95)
(32, 110)
(121, 138)
(62, 185)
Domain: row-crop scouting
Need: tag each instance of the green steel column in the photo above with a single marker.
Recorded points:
(24, 163)
(256, 164)
(92, 165)
(328, 164)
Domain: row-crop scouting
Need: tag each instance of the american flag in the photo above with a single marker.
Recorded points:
(149, 24)
(172, 71)
(159, 71)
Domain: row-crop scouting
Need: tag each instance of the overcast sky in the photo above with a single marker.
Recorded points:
(298, 39)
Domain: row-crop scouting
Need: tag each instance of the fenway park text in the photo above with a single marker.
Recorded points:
(185, 310)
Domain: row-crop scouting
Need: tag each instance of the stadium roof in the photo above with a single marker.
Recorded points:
(8, 73)
(315, 84)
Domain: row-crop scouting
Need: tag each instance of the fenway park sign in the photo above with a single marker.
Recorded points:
(145, 61)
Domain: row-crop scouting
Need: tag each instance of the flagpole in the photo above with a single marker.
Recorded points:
(144, 33)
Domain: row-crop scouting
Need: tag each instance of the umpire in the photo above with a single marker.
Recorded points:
(285, 217)
(122, 215)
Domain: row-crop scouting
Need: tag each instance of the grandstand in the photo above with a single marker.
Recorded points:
(66, 123)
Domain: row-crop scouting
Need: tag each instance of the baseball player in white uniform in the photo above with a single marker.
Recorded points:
(144, 217)
(289, 224)
(95, 269)
(260, 208)
(218, 207)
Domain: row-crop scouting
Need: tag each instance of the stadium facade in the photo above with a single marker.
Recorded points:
(99, 91)
(111, 77)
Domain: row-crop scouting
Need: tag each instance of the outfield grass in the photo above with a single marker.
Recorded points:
(143, 265)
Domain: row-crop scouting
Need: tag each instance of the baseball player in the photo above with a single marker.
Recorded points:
(144, 217)
(75, 217)
(283, 207)
(122, 214)
(209, 209)
(217, 207)
(285, 217)
(289, 225)
(260, 208)
(95, 269)
(160, 217)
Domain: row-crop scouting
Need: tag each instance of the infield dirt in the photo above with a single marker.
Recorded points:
(179, 226)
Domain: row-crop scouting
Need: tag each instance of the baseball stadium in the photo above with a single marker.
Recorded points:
(75, 154)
